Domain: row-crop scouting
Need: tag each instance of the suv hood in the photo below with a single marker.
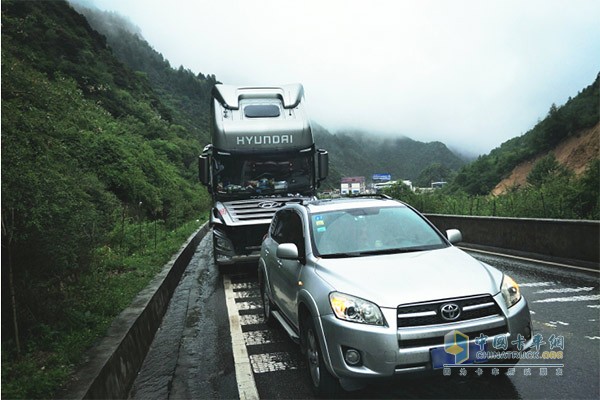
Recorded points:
(393, 279)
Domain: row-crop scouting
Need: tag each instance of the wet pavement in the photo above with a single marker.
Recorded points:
(191, 356)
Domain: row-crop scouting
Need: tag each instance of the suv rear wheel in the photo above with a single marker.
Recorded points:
(324, 384)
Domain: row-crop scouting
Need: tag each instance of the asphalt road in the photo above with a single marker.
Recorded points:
(192, 355)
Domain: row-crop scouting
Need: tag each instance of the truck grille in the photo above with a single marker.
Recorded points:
(424, 314)
(255, 209)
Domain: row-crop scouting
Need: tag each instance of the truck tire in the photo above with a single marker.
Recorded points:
(323, 382)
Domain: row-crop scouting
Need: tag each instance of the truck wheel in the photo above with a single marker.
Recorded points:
(324, 384)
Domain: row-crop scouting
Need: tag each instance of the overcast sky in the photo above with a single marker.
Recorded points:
(471, 74)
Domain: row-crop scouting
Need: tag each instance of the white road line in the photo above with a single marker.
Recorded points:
(594, 306)
(567, 299)
(592, 337)
(559, 323)
(243, 371)
(536, 284)
(566, 290)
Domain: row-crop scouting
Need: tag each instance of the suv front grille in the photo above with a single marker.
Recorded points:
(424, 314)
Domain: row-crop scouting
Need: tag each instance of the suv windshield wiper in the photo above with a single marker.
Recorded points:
(342, 255)
(382, 251)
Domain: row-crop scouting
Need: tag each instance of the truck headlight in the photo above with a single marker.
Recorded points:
(350, 308)
(510, 291)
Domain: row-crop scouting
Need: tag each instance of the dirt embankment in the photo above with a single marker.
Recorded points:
(574, 153)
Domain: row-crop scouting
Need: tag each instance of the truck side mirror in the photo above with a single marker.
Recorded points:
(322, 164)
(204, 170)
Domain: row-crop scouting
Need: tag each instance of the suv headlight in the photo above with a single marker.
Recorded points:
(510, 291)
(350, 308)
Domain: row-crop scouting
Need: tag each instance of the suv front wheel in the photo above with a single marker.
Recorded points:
(266, 302)
(324, 384)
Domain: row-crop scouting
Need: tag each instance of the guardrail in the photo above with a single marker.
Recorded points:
(114, 363)
(572, 240)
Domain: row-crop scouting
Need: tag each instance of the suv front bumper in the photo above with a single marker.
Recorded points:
(384, 353)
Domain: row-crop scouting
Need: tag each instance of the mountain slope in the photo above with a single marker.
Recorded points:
(578, 113)
(574, 153)
(185, 94)
(365, 154)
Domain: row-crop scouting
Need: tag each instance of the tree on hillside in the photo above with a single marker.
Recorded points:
(545, 170)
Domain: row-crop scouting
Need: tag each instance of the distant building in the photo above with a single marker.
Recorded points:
(437, 185)
(353, 185)
(380, 186)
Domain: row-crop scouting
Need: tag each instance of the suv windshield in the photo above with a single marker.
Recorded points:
(373, 230)
(259, 175)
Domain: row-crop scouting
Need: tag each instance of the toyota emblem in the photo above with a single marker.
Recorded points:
(268, 204)
(450, 311)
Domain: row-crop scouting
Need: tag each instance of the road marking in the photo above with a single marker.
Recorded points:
(566, 290)
(243, 371)
(592, 337)
(567, 299)
(530, 259)
(271, 362)
(537, 284)
(253, 338)
(252, 319)
(249, 305)
(594, 306)
(243, 285)
(559, 323)
(244, 294)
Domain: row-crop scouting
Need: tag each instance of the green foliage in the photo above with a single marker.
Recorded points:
(482, 175)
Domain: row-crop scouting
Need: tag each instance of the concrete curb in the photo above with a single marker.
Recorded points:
(113, 364)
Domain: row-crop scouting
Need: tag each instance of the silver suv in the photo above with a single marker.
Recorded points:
(370, 288)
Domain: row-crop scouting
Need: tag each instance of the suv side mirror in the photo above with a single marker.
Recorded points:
(454, 236)
(287, 251)
(322, 164)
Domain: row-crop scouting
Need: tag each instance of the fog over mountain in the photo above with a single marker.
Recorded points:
(470, 74)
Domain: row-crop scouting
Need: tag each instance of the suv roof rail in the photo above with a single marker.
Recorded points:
(377, 195)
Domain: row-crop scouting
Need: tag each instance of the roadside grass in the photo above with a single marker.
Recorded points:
(90, 302)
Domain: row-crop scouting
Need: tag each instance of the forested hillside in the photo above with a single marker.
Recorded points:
(580, 112)
(94, 162)
(186, 94)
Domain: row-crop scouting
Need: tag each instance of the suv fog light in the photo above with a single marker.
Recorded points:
(352, 356)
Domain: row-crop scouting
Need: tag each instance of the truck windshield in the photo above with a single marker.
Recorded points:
(276, 174)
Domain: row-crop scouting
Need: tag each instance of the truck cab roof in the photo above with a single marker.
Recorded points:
(259, 119)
